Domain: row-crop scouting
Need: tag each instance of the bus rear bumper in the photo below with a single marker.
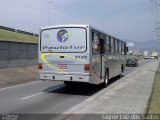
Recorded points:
(76, 78)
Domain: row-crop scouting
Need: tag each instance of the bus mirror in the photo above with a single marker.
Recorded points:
(125, 50)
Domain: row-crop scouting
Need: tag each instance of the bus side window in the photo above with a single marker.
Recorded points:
(112, 45)
(92, 36)
(102, 46)
(123, 48)
(115, 46)
(107, 45)
(120, 51)
(102, 42)
(95, 42)
(118, 47)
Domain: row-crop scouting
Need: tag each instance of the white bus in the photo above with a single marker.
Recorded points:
(79, 53)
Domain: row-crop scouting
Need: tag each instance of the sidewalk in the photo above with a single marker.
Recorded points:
(128, 95)
(20, 75)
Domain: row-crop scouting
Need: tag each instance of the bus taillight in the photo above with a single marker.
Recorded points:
(40, 66)
(87, 67)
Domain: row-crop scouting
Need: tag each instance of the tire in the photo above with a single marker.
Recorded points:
(105, 83)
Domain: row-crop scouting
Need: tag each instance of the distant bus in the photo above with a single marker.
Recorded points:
(80, 53)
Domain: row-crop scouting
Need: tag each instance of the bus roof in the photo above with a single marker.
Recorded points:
(66, 25)
(77, 25)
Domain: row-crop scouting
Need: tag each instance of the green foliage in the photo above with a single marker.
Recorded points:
(154, 103)
(136, 57)
(17, 37)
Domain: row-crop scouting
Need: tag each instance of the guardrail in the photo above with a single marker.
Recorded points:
(17, 31)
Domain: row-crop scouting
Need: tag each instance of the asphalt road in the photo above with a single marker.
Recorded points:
(48, 97)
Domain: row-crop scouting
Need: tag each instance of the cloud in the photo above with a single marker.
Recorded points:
(127, 19)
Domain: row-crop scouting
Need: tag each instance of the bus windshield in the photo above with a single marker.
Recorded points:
(63, 40)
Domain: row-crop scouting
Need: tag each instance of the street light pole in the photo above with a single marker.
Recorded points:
(50, 2)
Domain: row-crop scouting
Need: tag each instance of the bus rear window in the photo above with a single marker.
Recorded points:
(63, 40)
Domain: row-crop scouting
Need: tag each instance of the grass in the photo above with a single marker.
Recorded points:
(154, 102)
(17, 37)
(136, 57)
(139, 57)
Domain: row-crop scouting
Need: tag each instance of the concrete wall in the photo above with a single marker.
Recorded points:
(17, 54)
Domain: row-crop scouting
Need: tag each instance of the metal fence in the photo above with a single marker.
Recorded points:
(18, 31)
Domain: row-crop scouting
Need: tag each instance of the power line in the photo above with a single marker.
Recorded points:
(156, 2)
(152, 11)
(155, 8)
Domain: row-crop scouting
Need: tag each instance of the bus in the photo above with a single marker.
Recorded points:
(79, 53)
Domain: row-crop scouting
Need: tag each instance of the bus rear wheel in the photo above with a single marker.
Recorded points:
(105, 83)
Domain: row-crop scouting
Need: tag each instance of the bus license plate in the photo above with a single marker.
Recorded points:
(62, 66)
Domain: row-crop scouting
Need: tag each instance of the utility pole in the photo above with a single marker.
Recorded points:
(155, 4)
(50, 2)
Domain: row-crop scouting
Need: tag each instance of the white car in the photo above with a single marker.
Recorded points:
(146, 57)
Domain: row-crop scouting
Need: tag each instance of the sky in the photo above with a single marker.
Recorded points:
(129, 20)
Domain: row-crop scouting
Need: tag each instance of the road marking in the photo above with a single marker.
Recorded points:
(19, 85)
(32, 96)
